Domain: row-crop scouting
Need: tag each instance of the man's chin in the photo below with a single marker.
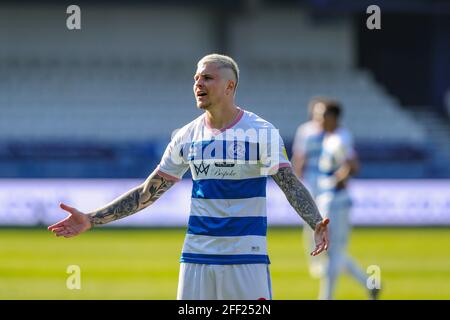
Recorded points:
(203, 106)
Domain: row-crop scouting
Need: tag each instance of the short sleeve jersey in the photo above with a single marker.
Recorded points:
(229, 167)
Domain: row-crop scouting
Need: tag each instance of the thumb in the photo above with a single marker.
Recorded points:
(322, 224)
(68, 208)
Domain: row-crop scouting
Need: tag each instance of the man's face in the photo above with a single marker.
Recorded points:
(325, 119)
(318, 113)
(210, 87)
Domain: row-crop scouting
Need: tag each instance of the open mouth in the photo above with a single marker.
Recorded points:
(201, 94)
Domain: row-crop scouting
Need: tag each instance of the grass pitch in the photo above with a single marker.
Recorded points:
(143, 263)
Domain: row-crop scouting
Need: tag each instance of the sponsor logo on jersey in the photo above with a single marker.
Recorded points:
(201, 168)
(223, 165)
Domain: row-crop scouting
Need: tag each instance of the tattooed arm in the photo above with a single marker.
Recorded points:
(131, 202)
(298, 196)
(301, 200)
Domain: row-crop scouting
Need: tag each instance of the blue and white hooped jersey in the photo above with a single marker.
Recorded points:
(228, 222)
(337, 147)
(324, 153)
(308, 143)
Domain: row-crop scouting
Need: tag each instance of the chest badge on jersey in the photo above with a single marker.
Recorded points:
(236, 150)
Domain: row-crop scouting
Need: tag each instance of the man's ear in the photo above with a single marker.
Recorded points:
(231, 85)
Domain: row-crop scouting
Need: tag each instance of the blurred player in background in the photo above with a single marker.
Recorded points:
(225, 252)
(306, 151)
(324, 157)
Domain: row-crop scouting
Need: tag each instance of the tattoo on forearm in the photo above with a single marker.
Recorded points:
(132, 201)
(298, 196)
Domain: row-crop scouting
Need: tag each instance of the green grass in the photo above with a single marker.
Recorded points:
(143, 264)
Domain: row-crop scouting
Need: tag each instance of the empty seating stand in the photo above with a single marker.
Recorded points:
(118, 102)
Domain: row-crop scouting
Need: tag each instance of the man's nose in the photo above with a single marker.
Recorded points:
(198, 83)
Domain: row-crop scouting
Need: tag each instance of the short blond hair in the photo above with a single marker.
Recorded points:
(222, 61)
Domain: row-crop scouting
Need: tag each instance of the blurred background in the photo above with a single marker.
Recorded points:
(86, 114)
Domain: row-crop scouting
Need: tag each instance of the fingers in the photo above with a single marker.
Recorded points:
(322, 230)
(63, 223)
(53, 226)
(64, 232)
(59, 224)
(60, 231)
(319, 248)
(325, 239)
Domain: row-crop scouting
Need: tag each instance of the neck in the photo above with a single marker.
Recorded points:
(219, 118)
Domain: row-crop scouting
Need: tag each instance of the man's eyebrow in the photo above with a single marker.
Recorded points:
(203, 74)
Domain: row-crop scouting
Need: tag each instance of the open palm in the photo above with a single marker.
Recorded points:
(76, 223)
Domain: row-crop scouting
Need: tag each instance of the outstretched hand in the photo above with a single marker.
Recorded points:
(321, 237)
(76, 223)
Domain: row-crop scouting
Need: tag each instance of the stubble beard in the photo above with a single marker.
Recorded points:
(203, 106)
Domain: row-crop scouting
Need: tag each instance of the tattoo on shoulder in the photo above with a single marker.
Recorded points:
(298, 196)
(132, 201)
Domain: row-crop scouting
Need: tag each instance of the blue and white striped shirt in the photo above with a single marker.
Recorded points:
(228, 222)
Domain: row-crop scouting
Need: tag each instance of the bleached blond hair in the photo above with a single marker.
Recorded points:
(222, 62)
